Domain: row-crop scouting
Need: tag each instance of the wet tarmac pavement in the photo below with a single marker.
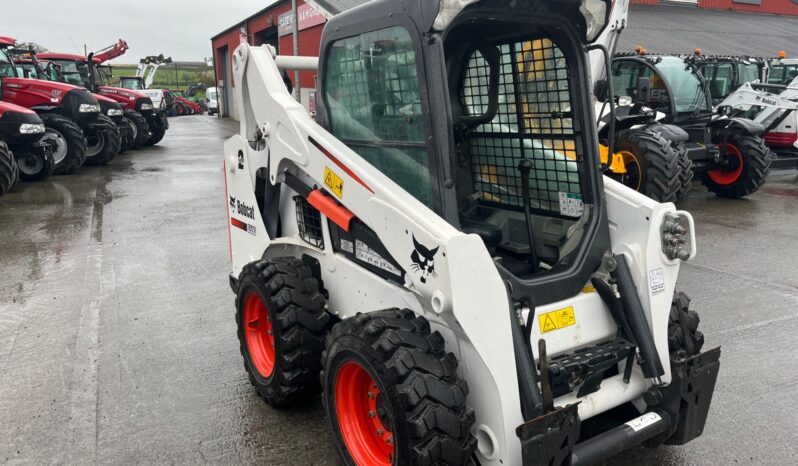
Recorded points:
(117, 338)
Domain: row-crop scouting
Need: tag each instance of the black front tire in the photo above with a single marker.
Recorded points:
(41, 168)
(683, 334)
(69, 133)
(110, 139)
(749, 164)
(9, 172)
(141, 129)
(296, 324)
(157, 136)
(420, 399)
(658, 163)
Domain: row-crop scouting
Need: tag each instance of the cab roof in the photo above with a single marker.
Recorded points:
(61, 56)
(5, 40)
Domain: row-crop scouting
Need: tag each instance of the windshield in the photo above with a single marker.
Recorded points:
(748, 73)
(72, 72)
(212, 94)
(6, 65)
(687, 88)
(132, 84)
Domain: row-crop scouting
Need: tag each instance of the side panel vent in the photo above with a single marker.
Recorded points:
(308, 218)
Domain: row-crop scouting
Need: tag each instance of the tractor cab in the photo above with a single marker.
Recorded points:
(490, 125)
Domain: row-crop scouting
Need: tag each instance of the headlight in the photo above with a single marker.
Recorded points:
(146, 106)
(89, 108)
(29, 128)
(114, 112)
(595, 13)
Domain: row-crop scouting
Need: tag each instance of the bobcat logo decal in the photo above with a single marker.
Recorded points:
(423, 260)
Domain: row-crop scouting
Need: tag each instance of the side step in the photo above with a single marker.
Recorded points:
(588, 366)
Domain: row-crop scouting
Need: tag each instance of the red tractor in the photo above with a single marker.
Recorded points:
(99, 151)
(70, 113)
(23, 151)
(149, 124)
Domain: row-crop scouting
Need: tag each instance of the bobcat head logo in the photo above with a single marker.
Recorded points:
(423, 260)
(232, 202)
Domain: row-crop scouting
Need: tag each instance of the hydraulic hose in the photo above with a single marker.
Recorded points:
(633, 309)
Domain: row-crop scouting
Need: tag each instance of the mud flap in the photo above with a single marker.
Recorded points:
(549, 440)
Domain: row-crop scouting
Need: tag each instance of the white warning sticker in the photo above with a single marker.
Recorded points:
(644, 421)
(347, 246)
(656, 279)
(364, 253)
(571, 204)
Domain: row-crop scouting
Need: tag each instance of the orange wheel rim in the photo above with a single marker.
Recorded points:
(728, 175)
(362, 418)
(259, 334)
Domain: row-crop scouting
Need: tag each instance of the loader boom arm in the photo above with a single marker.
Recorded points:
(111, 52)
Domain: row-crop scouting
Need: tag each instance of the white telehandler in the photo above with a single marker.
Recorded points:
(437, 253)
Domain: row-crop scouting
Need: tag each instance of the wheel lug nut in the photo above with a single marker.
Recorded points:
(371, 395)
(372, 414)
(380, 432)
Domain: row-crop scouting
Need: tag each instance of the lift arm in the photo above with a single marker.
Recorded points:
(772, 106)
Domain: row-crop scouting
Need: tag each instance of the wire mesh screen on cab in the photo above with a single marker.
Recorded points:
(534, 121)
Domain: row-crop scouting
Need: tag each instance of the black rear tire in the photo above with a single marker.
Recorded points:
(419, 399)
(294, 322)
(141, 130)
(9, 172)
(108, 142)
(749, 164)
(683, 334)
(61, 130)
(35, 167)
(657, 161)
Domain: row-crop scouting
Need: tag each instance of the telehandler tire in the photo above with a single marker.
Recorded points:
(748, 166)
(392, 392)
(281, 328)
(141, 130)
(685, 173)
(105, 145)
(67, 141)
(9, 172)
(683, 334)
(652, 163)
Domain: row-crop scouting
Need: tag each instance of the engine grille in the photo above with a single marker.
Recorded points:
(308, 218)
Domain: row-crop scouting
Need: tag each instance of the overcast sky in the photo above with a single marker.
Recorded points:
(178, 28)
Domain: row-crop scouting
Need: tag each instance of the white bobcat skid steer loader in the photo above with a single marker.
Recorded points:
(440, 246)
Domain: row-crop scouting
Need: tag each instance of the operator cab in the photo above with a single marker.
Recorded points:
(676, 86)
(501, 104)
(725, 74)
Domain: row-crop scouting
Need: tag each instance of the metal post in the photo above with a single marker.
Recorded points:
(295, 33)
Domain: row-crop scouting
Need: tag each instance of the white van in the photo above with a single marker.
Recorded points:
(212, 98)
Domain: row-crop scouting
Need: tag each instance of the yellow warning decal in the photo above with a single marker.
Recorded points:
(334, 182)
(556, 320)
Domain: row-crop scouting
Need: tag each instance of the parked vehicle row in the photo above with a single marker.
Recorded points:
(57, 114)
(676, 116)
